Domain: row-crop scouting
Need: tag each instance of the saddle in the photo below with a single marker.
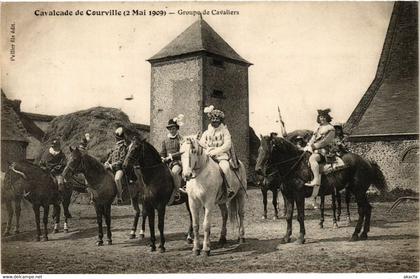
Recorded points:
(332, 164)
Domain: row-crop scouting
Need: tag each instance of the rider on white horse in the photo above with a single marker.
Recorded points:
(217, 142)
(170, 149)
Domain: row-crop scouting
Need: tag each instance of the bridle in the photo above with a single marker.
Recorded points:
(199, 151)
(131, 156)
(282, 177)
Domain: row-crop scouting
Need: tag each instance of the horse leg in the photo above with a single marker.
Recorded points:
(9, 209)
(66, 202)
(334, 208)
(143, 225)
(241, 213)
(37, 221)
(347, 193)
(321, 207)
(284, 206)
(107, 213)
(338, 198)
(45, 221)
(56, 217)
(300, 205)
(223, 232)
(135, 202)
(289, 217)
(366, 226)
(360, 209)
(206, 227)
(150, 211)
(195, 212)
(264, 194)
(161, 226)
(99, 212)
(276, 212)
(17, 213)
(190, 233)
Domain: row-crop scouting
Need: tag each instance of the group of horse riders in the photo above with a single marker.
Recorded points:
(216, 142)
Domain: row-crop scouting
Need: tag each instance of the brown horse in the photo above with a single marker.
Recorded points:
(283, 160)
(101, 181)
(22, 178)
(158, 186)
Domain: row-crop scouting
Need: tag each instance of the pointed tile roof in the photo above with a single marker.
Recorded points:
(390, 105)
(199, 37)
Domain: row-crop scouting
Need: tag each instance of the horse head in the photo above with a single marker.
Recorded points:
(74, 164)
(191, 153)
(132, 152)
(264, 153)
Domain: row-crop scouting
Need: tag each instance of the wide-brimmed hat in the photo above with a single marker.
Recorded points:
(214, 114)
(175, 122)
(325, 113)
(56, 143)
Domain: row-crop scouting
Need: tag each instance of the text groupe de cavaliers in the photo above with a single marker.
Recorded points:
(206, 12)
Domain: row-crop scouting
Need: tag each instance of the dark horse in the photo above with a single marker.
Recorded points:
(282, 159)
(24, 177)
(158, 186)
(98, 179)
(266, 185)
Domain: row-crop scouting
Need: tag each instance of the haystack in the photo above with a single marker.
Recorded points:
(99, 122)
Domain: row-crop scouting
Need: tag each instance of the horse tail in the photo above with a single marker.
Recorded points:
(233, 210)
(378, 178)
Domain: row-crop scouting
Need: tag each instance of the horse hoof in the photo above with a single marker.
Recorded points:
(141, 236)
(152, 248)
(321, 226)
(222, 240)
(206, 253)
(17, 232)
(276, 217)
(66, 230)
(335, 226)
(264, 217)
(38, 238)
(363, 236)
(284, 240)
(241, 240)
(300, 241)
(99, 243)
(354, 237)
(162, 250)
(196, 252)
(56, 231)
(132, 236)
(109, 242)
(68, 216)
(189, 240)
(44, 238)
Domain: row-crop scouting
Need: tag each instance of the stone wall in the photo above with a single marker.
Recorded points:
(176, 87)
(398, 160)
(231, 79)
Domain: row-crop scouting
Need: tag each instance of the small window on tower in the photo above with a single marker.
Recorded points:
(218, 94)
(218, 63)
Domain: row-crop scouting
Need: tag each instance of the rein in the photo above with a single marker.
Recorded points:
(277, 171)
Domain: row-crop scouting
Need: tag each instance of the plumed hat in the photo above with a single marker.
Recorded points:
(175, 122)
(214, 114)
(325, 113)
(119, 133)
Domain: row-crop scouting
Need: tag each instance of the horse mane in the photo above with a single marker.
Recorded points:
(92, 163)
(287, 145)
(153, 151)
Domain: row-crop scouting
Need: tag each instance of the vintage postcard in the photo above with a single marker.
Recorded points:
(143, 138)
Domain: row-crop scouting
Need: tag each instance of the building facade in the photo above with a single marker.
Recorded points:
(384, 125)
(197, 69)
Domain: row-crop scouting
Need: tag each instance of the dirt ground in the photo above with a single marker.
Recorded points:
(393, 244)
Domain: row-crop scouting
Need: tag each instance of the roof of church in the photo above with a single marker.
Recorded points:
(197, 38)
(390, 105)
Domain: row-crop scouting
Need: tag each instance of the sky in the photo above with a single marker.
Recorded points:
(306, 55)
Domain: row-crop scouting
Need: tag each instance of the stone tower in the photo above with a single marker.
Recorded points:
(197, 69)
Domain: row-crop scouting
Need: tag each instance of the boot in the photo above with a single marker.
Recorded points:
(317, 177)
(119, 194)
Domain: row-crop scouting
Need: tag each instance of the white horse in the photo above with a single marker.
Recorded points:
(204, 185)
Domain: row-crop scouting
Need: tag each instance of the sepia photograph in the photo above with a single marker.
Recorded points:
(256, 138)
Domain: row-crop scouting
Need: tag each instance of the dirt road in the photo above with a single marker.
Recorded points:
(392, 245)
